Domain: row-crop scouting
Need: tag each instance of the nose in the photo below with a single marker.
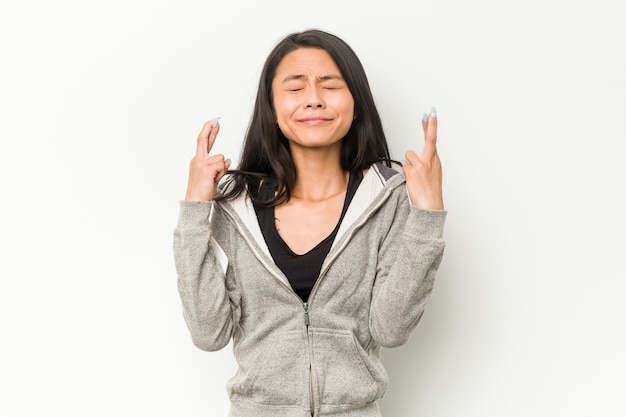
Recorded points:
(313, 99)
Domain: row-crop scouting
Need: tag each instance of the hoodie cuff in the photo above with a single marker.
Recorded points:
(425, 224)
(194, 214)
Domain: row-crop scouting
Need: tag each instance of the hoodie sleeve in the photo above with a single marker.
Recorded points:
(407, 264)
(201, 267)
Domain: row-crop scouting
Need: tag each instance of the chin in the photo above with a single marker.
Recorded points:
(315, 142)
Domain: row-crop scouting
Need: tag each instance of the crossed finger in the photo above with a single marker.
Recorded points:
(207, 136)
(429, 124)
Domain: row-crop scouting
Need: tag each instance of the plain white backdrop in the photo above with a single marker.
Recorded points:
(102, 101)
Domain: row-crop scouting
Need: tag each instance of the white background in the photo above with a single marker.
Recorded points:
(101, 103)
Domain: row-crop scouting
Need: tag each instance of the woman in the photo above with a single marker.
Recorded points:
(315, 253)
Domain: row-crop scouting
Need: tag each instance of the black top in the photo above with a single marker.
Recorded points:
(301, 270)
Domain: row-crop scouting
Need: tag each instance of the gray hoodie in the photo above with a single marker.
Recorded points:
(318, 358)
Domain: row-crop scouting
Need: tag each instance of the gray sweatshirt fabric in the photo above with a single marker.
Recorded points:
(318, 358)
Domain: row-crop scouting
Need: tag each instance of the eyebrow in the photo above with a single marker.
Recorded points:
(319, 79)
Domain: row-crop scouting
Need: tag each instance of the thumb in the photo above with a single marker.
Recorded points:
(222, 172)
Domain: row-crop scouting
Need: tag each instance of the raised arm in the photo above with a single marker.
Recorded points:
(413, 250)
(200, 262)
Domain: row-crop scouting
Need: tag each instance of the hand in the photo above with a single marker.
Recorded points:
(205, 171)
(423, 172)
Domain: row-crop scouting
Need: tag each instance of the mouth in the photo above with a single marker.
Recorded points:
(314, 120)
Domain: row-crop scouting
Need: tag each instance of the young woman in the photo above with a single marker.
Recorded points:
(315, 252)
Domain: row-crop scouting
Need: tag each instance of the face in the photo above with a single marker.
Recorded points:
(312, 103)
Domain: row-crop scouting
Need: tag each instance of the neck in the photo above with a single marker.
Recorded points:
(318, 173)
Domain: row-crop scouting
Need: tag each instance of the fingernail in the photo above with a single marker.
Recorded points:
(227, 161)
(216, 122)
(433, 112)
(425, 118)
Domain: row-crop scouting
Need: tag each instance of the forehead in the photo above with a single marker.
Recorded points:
(313, 62)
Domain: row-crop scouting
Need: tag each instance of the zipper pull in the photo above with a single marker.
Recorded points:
(306, 314)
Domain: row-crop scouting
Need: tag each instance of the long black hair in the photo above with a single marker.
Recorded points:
(266, 155)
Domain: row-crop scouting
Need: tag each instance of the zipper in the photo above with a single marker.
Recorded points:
(306, 316)
(307, 321)
(311, 401)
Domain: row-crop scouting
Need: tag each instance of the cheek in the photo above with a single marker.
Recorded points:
(281, 116)
(283, 107)
(345, 104)
(348, 109)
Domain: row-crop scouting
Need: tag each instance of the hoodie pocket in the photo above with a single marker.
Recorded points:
(275, 373)
(344, 372)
